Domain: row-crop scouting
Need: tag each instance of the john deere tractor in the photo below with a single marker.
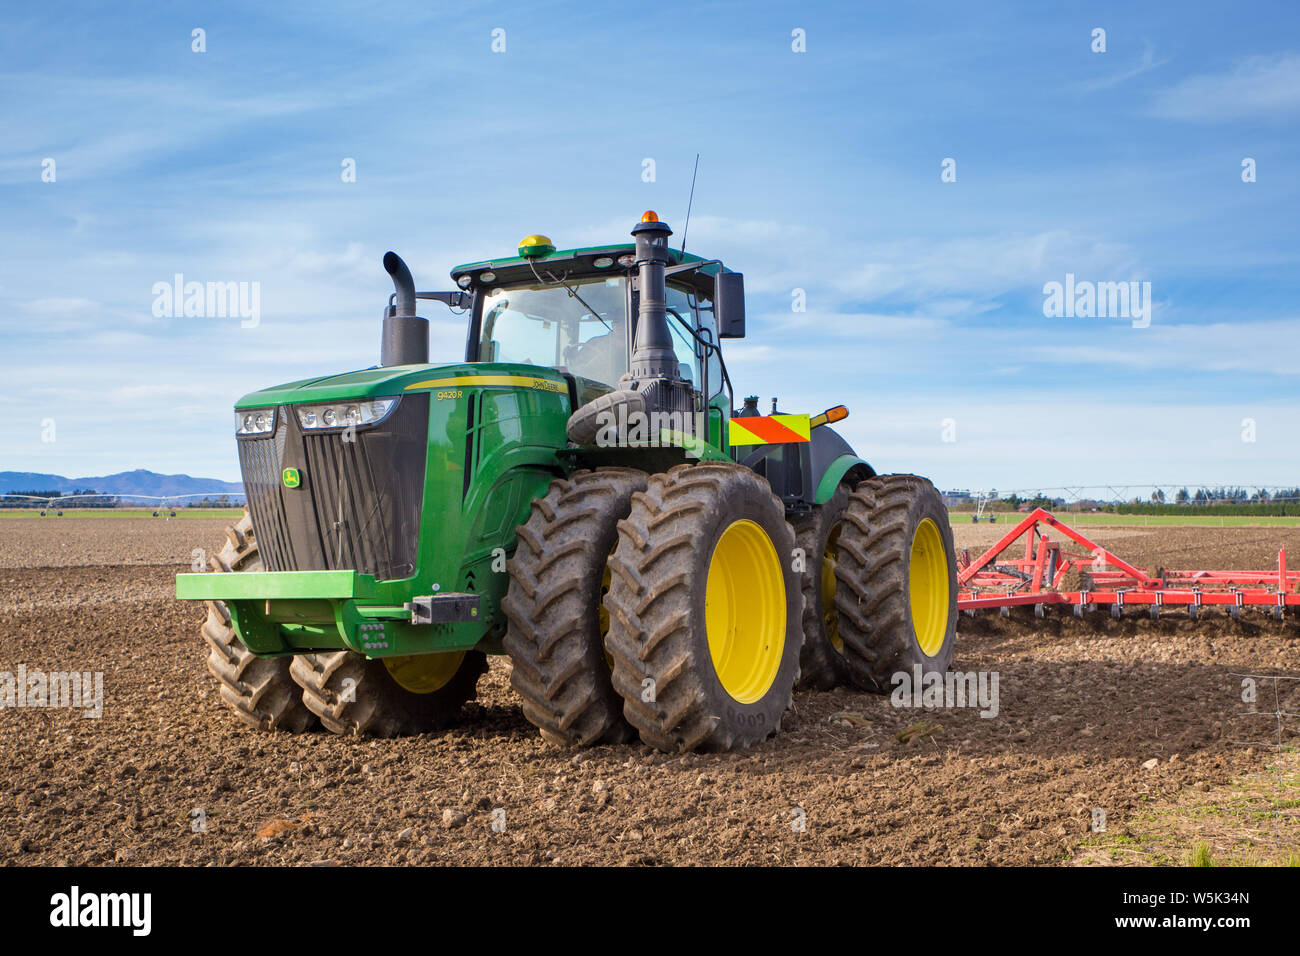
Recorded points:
(582, 494)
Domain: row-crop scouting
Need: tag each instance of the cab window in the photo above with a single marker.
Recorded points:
(698, 311)
(542, 324)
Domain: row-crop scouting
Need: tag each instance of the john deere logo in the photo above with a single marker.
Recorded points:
(291, 478)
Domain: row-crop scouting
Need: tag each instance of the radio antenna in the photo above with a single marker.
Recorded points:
(690, 202)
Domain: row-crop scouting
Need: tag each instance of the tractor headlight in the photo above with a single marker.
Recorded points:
(345, 414)
(255, 421)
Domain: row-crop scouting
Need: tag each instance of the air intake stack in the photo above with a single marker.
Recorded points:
(654, 372)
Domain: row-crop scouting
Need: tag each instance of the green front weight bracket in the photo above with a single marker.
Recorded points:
(275, 586)
(287, 612)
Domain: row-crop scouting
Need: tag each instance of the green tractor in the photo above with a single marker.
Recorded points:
(580, 494)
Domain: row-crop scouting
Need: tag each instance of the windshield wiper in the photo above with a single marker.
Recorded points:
(573, 293)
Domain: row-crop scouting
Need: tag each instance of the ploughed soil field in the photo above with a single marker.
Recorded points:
(167, 775)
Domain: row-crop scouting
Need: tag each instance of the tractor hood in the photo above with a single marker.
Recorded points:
(401, 379)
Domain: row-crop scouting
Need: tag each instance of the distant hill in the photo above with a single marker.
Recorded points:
(138, 482)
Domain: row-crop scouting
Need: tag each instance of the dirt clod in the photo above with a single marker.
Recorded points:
(453, 818)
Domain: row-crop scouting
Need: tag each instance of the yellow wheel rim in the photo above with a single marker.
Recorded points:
(424, 673)
(830, 616)
(744, 611)
(928, 587)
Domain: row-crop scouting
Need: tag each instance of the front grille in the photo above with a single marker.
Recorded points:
(358, 506)
(259, 461)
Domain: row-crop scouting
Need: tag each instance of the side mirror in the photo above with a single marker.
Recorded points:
(729, 305)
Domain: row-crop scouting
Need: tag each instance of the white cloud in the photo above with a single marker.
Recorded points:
(1070, 437)
(1250, 347)
(60, 306)
(1146, 63)
(1257, 86)
(947, 278)
(152, 393)
(872, 325)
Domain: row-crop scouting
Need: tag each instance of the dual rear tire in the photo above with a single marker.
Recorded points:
(896, 582)
(659, 605)
(705, 610)
(880, 584)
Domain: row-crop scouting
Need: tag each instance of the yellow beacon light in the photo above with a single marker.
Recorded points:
(649, 216)
(534, 247)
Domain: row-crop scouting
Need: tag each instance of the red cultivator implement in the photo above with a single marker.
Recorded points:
(1048, 573)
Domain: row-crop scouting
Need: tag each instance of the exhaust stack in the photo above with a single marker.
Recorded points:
(405, 339)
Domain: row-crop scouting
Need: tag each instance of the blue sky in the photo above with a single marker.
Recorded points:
(819, 170)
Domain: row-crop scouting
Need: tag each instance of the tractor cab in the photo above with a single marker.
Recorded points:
(576, 311)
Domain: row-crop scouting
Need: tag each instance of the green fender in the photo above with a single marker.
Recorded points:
(835, 473)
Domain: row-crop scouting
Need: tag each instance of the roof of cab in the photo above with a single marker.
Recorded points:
(579, 260)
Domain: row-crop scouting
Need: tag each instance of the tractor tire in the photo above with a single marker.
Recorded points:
(705, 609)
(821, 663)
(359, 696)
(586, 423)
(897, 581)
(557, 622)
(258, 689)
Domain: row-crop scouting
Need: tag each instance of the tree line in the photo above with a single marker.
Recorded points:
(1209, 501)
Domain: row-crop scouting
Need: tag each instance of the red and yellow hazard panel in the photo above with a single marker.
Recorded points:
(769, 429)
